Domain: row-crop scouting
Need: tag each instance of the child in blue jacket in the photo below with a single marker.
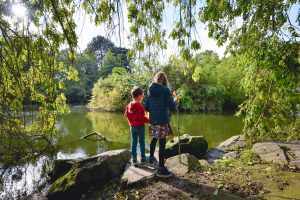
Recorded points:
(159, 104)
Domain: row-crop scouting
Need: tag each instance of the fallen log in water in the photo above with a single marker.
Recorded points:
(95, 133)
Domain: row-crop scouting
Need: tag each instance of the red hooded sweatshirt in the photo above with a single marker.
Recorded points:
(135, 113)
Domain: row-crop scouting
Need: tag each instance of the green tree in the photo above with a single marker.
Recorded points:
(196, 82)
(113, 93)
(267, 40)
(205, 66)
(110, 62)
(99, 46)
(80, 91)
(229, 74)
(29, 48)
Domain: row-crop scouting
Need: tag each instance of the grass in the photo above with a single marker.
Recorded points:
(247, 175)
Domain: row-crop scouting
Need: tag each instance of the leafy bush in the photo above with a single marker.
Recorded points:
(113, 93)
(216, 88)
(207, 83)
(186, 101)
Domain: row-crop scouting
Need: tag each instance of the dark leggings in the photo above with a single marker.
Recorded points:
(162, 147)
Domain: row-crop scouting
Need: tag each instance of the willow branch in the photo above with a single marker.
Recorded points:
(62, 25)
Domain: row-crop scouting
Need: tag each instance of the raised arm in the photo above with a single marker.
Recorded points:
(170, 100)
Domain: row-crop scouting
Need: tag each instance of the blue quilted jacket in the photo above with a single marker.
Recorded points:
(159, 103)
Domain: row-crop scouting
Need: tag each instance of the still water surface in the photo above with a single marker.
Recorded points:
(214, 127)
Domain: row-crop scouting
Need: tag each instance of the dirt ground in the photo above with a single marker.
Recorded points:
(230, 180)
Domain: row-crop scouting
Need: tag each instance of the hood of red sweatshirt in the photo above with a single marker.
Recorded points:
(135, 114)
(132, 107)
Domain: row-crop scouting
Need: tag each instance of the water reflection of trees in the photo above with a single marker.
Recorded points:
(112, 125)
(215, 128)
(24, 179)
(73, 126)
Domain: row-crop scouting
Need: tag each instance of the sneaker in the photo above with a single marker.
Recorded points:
(134, 162)
(143, 161)
(163, 172)
(152, 161)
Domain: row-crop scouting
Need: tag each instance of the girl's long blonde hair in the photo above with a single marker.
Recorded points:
(161, 78)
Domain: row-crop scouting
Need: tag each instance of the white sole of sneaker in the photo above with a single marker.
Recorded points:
(163, 176)
(152, 164)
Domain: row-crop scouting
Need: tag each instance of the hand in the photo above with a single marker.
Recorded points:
(174, 94)
(176, 97)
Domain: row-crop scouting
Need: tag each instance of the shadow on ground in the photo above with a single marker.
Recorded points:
(169, 188)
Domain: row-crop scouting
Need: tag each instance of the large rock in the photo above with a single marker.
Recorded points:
(233, 143)
(194, 145)
(270, 151)
(85, 172)
(61, 167)
(292, 151)
(227, 149)
(134, 175)
(286, 153)
(182, 164)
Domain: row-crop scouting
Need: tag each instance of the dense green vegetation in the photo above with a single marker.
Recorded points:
(98, 60)
(206, 83)
(113, 93)
(79, 90)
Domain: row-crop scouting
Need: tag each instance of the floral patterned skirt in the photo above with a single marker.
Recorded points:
(160, 131)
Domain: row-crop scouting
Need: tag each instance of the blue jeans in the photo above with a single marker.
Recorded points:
(137, 133)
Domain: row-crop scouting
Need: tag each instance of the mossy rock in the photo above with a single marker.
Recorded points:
(64, 186)
(96, 170)
(61, 167)
(194, 145)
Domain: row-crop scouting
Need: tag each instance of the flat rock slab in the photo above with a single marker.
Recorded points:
(134, 175)
(233, 143)
(292, 151)
(270, 151)
(181, 164)
(227, 149)
(284, 152)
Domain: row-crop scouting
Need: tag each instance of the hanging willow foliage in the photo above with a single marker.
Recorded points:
(267, 38)
(30, 76)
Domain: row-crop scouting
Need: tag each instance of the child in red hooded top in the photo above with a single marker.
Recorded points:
(135, 113)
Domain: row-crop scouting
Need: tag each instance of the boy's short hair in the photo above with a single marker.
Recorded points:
(136, 91)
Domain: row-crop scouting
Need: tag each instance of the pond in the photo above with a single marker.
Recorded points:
(24, 179)
(214, 127)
